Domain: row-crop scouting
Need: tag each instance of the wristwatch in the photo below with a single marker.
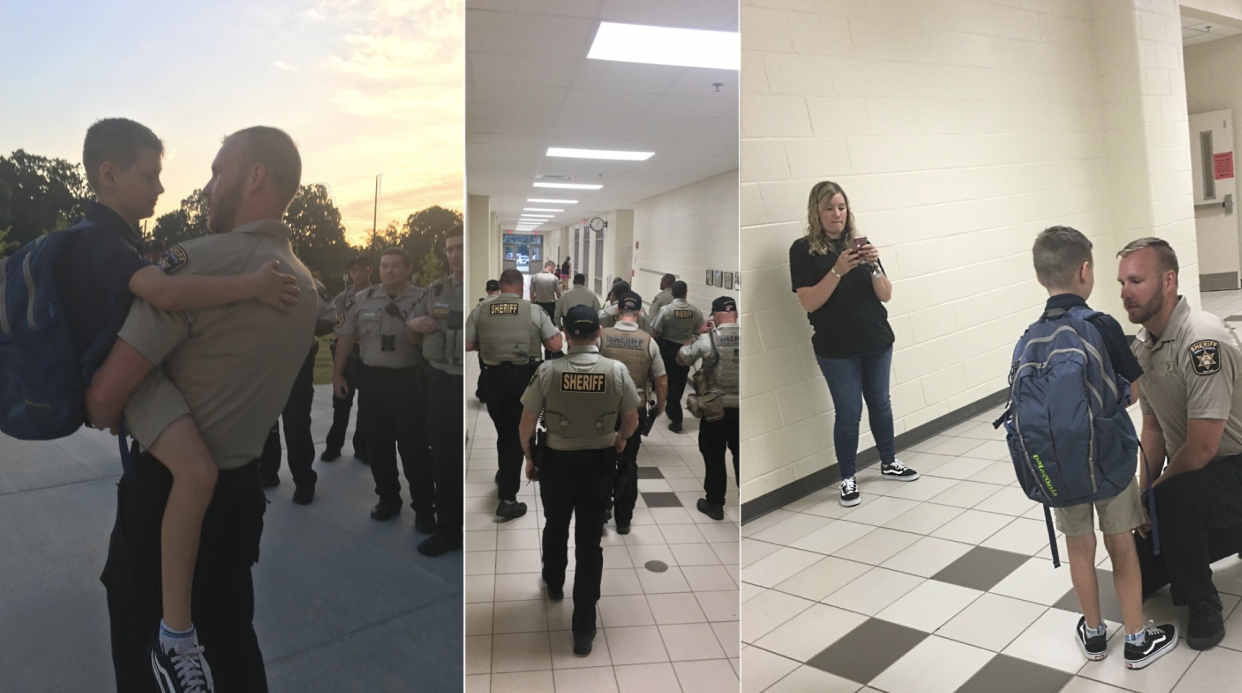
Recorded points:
(876, 271)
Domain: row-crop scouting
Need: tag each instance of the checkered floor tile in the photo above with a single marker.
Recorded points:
(668, 617)
(946, 585)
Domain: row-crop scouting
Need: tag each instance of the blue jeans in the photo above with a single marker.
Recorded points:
(851, 380)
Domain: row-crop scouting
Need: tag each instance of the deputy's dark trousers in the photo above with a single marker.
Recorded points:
(444, 430)
(625, 489)
(297, 418)
(676, 380)
(222, 606)
(504, 385)
(1199, 515)
(341, 407)
(395, 401)
(714, 438)
(577, 484)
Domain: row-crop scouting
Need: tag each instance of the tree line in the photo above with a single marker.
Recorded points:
(39, 195)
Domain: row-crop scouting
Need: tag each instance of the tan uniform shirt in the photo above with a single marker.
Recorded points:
(544, 288)
(380, 332)
(540, 322)
(661, 299)
(608, 318)
(577, 296)
(345, 300)
(663, 331)
(234, 365)
(1192, 372)
(727, 338)
(451, 299)
(548, 376)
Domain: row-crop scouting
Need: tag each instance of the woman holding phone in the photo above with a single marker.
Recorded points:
(841, 284)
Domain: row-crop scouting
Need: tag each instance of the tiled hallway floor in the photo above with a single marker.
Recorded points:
(946, 585)
(674, 630)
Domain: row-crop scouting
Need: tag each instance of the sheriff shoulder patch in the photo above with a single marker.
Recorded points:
(172, 259)
(1205, 356)
(584, 382)
(503, 309)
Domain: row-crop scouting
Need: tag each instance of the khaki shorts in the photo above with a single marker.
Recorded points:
(1118, 515)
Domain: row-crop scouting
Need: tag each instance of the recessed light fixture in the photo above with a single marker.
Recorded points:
(661, 45)
(599, 154)
(540, 209)
(535, 217)
(552, 202)
(569, 186)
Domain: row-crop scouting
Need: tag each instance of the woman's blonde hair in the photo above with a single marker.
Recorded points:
(815, 235)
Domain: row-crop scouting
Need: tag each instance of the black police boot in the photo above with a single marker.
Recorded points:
(510, 510)
(582, 643)
(439, 544)
(712, 510)
(623, 529)
(675, 427)
(385, 510)
(304, 494)
(1206, 627)
(330, 455)
(424, 523)
(556, 593)
(271, 482)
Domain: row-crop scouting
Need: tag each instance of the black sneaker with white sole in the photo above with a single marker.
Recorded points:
(1157, 642)
(897, 471)
(184, 670)
(1093, 647)
(849, 492)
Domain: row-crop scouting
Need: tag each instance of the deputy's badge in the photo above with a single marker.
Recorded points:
(1205, 356)
(1169, 368)
(340, 319)
(172, 259)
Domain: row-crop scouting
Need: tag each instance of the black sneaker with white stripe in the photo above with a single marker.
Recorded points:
(1093, 647)
(1157, 642)
(849, 492)
(184, 670)
(898, 472)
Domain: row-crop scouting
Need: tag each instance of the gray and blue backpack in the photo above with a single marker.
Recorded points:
(1070, 437)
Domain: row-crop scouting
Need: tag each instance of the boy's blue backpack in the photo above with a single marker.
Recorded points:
(1070, 436)
(42, 381)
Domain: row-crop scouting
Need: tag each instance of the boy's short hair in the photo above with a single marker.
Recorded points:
(116, 140)
(1058, 253)
(399, 252)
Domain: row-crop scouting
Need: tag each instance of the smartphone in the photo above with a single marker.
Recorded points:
(859, 242)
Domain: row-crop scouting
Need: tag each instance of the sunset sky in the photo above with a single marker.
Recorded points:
(364, 87)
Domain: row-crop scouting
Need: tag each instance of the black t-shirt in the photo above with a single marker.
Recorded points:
(95, 275)
(1119, 354)
(853, 320)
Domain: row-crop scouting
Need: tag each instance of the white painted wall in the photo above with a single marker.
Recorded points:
(1212, 84)
(688, 231)
(960, 129)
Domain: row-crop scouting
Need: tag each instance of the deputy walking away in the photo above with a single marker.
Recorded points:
(359, 270)
(437, 322)
(1192, 436)
(577, 296)
(391, 389)
(665, 296)
(608, 315)
(508, 332)
(627, 343)
(581, 397)
(718, 353)
(677, 323)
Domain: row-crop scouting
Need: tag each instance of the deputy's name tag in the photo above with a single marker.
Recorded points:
(440, 311)
(682, 313)
(584, 382)
(503, 309)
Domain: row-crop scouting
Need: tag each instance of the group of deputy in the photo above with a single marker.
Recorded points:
(399, 345)
(595, 407)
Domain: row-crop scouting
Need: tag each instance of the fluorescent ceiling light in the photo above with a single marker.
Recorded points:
(535, 217)
(569, 186)
(659, 45)
(552, 202)
(599, 154)
(540, 209)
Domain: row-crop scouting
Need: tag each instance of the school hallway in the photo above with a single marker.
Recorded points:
(667, 619)
(946, 585)
(342, 602)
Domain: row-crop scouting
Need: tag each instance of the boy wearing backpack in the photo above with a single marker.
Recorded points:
(101, 272)
(1063, 265)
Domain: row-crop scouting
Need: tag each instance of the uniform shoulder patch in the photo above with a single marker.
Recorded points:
(1205, 356)
(172, 259)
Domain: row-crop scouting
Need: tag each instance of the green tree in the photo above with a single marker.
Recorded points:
(39, 194)
(6, 246)
(318, 234)
(186, 222)
(425, 230)
(431, 269)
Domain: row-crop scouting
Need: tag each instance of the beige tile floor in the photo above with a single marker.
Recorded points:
(671, 631)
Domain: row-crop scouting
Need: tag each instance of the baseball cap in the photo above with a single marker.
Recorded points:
(493, 285)
(724, 304)
(359, 260)
(581, 321)
(630, 302)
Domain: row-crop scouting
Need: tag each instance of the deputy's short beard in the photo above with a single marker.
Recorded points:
(224, 210)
